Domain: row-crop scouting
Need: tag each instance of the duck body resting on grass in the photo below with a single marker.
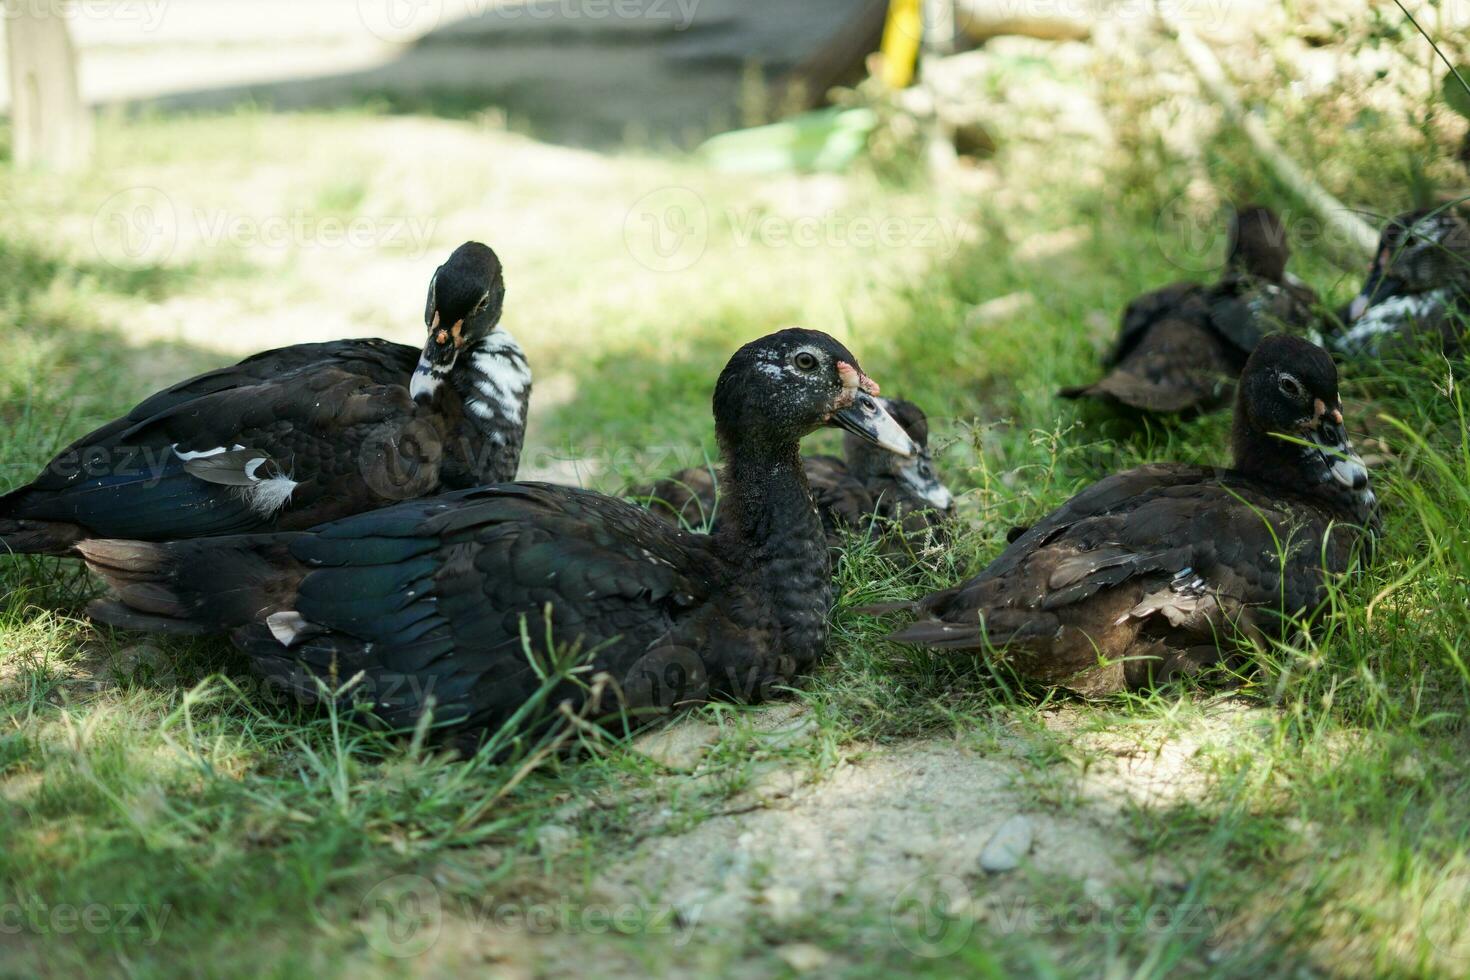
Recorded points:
(1181, 347)
(294, 437)
(459, 600)
(1418, 287)
(867, 486)
(1154, 571)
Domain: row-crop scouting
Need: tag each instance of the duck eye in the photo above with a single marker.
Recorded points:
(805, 361)
(1292, 388)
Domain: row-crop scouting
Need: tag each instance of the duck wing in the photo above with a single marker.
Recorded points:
(379, 361)
(1177, 365)
(1144, 571)
(1174, 300)
(461, 601)
(1244, 309)
(289, 452)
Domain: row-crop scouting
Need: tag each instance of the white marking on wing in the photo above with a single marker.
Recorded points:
(287, 627)
(204, 453)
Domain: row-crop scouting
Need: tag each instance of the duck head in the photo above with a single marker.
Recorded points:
(915, 472)
(1257, 245)
(779, 388)
(1289, 422)
(1418, 251)
(466, 298)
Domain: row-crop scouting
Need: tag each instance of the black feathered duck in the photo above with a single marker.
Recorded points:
(1161, 569)
(1418, 287)
(1181, 348)
(464, 600)
(294, 437)
(868, 488)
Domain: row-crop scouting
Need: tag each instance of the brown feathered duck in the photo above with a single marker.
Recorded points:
(1148, 573)
(1181, 347)
(1418, 287)
(867, 487)
(294, 437)
(461, 599)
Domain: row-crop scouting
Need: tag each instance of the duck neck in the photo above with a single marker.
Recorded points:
(493, 382)
(770, 525)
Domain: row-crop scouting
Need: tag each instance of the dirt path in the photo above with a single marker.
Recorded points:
(894, 842)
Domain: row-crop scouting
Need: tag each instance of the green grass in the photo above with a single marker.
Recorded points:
(206, 826)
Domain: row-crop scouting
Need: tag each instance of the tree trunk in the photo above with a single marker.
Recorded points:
(50, 125)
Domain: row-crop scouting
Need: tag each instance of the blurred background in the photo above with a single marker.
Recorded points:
(667, 178)
(967, 192)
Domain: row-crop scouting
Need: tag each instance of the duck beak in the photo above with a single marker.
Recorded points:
(1344, 465)
(918, 475)
(440, 352)
(865, 418)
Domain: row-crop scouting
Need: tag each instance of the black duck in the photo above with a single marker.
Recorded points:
(458, 599)
(1149, 572)
(1418, 287)
(294, 437)
(1181, 347)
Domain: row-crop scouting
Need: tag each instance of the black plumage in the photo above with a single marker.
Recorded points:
(866, 489)
(1181, 347)
(294, 437)
(1152, 571)
(1418, 288)
(458, 598)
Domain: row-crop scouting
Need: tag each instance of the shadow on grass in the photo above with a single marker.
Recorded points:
(67, 371)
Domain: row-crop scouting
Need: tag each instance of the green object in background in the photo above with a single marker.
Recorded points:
(826, 140)
(1456, 95)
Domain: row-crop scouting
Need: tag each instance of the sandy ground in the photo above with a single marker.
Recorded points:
(895, 839)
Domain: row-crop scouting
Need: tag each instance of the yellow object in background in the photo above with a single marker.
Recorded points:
(901, 36)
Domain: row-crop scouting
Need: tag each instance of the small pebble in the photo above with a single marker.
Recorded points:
(1006, 848)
